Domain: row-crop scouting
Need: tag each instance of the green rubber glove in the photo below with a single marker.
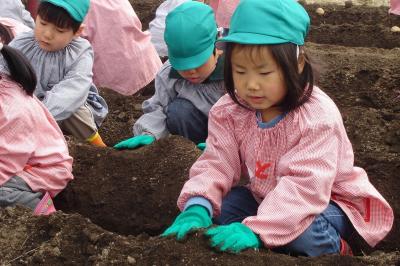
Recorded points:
(135, 142)
(201, 146)
(195, 217)
(234, 237)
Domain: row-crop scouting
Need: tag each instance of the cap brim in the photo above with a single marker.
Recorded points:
(193, 61)
(251, 38)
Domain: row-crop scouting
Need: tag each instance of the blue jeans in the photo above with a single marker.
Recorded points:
(184, 119)
(321, 237)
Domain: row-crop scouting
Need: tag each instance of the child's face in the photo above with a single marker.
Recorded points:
(200, 74)
(258, 80)
(50, 37)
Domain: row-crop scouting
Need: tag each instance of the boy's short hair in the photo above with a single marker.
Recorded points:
(190, 34)
(77, 9)
(58, 16)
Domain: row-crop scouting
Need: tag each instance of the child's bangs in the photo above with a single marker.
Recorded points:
(254, 52)
(57, 16)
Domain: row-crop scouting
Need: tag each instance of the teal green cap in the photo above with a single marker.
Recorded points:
(76, 8)
(190, 34)
(268, 22)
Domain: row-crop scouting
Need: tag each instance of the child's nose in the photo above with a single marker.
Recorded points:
(48, 34)
(252, 85)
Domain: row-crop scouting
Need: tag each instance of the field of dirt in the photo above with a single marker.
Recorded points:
(120, 201)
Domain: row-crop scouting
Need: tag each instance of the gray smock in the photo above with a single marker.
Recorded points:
(170, 85)
(64, 77)
(16, 10)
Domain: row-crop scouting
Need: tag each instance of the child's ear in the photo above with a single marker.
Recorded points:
(218, 53)
(301, 62)
(79, 31)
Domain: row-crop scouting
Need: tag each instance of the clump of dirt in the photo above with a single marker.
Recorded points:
(359, 26)
(70, 239)
(131, 191)
(120, 201)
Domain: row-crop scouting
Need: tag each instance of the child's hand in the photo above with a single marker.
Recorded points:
(201, 146)
(234, 237)
(195, 217)
(135, 142)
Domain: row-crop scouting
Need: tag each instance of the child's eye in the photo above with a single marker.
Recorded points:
(61, 30)
(239, 72)
(265, 73)
(43, 23)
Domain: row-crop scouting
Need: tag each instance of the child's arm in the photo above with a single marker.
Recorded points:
(219, 167)
(54, 173)
(15, 145)
(153, 121)
(27, 18)
(71, 93)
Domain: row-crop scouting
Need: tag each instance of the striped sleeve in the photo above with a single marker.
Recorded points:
(218, 168)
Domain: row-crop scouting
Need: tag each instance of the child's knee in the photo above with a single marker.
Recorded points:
(318, 239)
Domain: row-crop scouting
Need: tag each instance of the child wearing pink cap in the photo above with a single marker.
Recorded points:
(125, 60)
(394, 7)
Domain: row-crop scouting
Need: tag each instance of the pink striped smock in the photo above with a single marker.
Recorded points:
(125, 60)
(32, 145)
(294, 169)
(223, 10)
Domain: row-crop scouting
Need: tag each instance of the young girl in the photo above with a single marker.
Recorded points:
(125, 59)
(303, 194)
(34, 161)
(63, 63)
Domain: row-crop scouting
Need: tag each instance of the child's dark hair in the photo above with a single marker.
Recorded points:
(58, 16)
(6, 34)
(299, 86)
(20, 68)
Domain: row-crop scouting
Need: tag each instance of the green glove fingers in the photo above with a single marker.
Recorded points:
(135, 142)
(184, 230)
(195, 217)
(234, 237)
(201, 146)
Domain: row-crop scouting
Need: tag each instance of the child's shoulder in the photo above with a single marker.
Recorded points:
(165, 69)
(14, 101)
(320, 108)
(226, 106)
(80, 44)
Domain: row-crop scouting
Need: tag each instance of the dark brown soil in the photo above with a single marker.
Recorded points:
(121, 200)
(359, 26)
